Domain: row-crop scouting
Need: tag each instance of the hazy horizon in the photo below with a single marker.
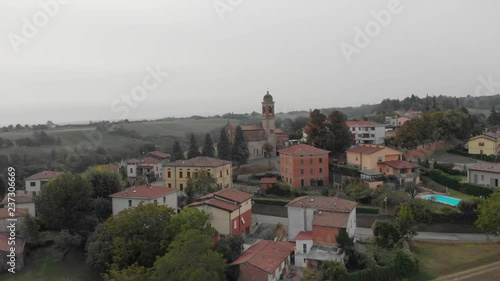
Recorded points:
(89, 54)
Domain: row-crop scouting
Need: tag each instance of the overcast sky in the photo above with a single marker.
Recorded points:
(89, 53)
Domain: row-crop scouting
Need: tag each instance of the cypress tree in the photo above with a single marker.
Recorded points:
(239, 149)
(224, 146)
(177, 153)
(208, 147)
(193, 148)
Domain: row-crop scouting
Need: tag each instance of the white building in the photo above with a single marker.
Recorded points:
(133, 196)
(5, 215)
(35, 182)
(487, 174)
(24, 200)
(367, 132)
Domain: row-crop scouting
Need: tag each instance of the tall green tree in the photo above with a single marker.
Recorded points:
(224, 146)
(489, 215)
(193, 147)
(405, 222)
(134, 236)
(340, 137)
(494, 117)
(208, 147)
(316, 129)
(104, 181)
(239, 149)
(199, 184)
(230, 247)
(66, 203)
(177, 152)
(191, 258)
(189, 218)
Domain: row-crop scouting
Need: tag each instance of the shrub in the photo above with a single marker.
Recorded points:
(367, 210)
(279, 189)
(455, 183)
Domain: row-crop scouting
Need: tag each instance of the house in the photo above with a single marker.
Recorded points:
(487, 144)
(493, 129)
(314, 222)
(487, 174)
(163, 157)
(367, 156)
(144, 167)
(24, 200)
(265, 260)
(404, 171)
(35, 182)
(135, 195)
(176, 174)
(304, 165)
(402, 120)
(367, 132)
(266, 132)
(5, 251)
(131, 167)
(230, 210)
(266, 183)
(412, 113)
(6, 214)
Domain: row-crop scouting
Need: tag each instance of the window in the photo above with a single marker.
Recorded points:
(301, 161)
(188, 174)
(220, 174)
(208, 173)
(482, 177)
(130, 203)
(169, 185)
(481, 144)
(169, 174)
(379, 159)
(310, 160)
(235, 224)
(320, 170)
(131, 170)
(242, 220)
(32, 183)
(155, 201)
(320, 160)
(301, 171)
(180, 174)
(372, 135)
(164, 200)
(181, 186)
(227, 172)
(304, 248)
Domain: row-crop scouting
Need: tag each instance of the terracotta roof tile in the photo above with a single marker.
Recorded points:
(144, 191)
(370, 149)
(200, 161)
(217, 203)
(266, 255)
(304, 235)
(150, 160)
(20, 198)
(45, 175)
(230, 194)
(159, 154)
(401, 164)
(323, 203)
(486, 167)
(331, 219)
(20, 212)
(303, 149)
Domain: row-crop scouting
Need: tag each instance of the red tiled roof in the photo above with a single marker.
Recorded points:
(5, 247)
(45, 175)
(21, 197)
(268, 180)
(159, 154)
(230, 194)
(486, 167)
(200, 161)
(132, 161)
(150, 160)
(304, 235)
(217, 203)
(323, 203)
(144, 191)
(401, 164)
(108, 166)
(331, 219)
(20, 212)
(369, 149)
(362, 123)
(303, 149)
(266, 255)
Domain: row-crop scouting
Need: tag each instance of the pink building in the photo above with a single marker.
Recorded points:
(304, 165)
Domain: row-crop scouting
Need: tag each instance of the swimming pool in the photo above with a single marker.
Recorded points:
(442, 199)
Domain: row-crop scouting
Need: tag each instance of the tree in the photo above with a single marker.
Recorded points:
(146, 148)
(386, 233)
(199, 184)
(230, 247)
(66, 203)
(224, 146)
(208, 147)
(193, 148)
(191, 258)
(31, 229)
(131, 273)
(135, 235)
(412, 189)
(494, 117)
(103, 209)
(340, 137)
(189, 218)
(268, 150)
(406, 223)
(239, 149)
(489, 216)
(334, 271)
(316, 129)
(104, 181)
(177, 153)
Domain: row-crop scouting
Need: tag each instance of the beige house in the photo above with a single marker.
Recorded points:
(230, 210)
(176, 174)
(367, 156)
(133, 196)
(487, 144)
(35, 182)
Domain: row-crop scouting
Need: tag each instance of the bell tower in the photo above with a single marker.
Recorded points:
(268, 119)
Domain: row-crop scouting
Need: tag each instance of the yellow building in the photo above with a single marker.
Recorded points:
(487, 144)
(176, 174)
(367, 156)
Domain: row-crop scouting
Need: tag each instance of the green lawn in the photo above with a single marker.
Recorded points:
(45, 265)
(441, 188)
(443, 258)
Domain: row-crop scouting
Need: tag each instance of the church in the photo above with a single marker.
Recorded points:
(258, 135)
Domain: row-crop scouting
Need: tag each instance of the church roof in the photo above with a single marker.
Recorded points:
(268, 97)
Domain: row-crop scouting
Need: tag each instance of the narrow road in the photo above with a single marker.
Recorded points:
(489, 272)
(366, 233)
